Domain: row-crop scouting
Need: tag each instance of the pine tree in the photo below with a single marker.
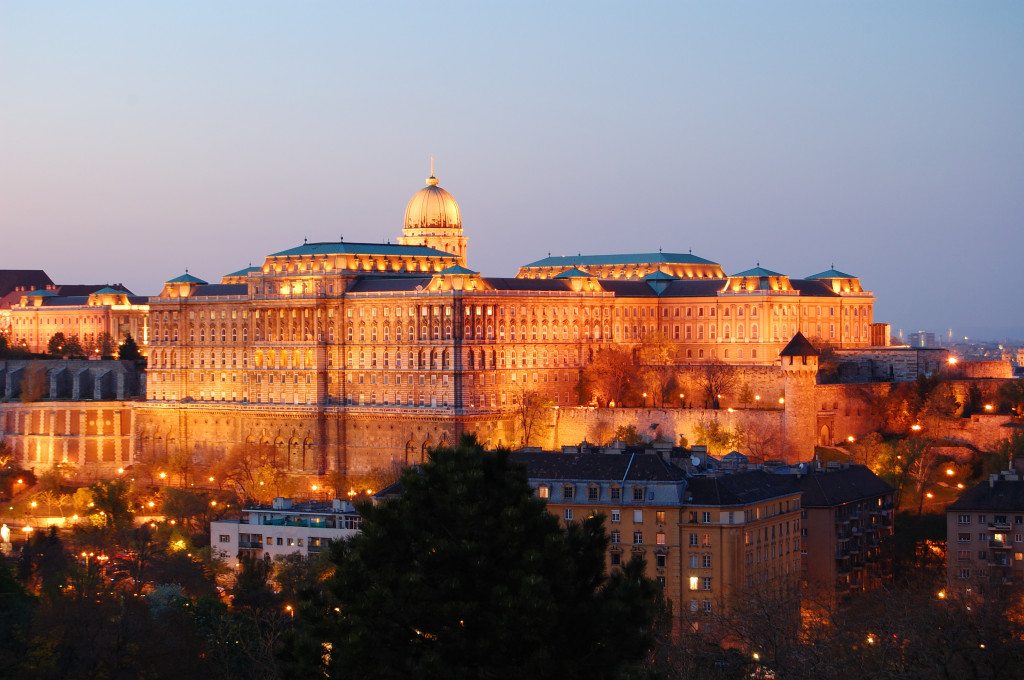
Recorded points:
(129, 351)
(467, 574)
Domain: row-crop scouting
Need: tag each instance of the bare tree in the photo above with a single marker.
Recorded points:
(715, 380)
(530, 407)
(256, 469)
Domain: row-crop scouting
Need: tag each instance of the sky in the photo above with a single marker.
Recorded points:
(886, 138)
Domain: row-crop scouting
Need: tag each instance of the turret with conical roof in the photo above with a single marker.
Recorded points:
(800, 419)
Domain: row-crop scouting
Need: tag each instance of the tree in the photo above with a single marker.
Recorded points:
(110, 499)
(608, 378)
(714, 435)
(252, 588)
(1011, 396)
(73, 348)
(105, 344)
(257, 470)
(715, 380)
(628, 435)
(467, 574)
(129, 350)
(55, 347)
(530, 407)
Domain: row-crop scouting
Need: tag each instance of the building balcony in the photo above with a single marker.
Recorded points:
(999, 526)
(255, 545)
(999, 545)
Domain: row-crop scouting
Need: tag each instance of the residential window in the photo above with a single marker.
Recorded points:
(638, 493)
(638, 517)
(225, 538)
(543, 491)
(616, 493)
(706, 561)
(593, 493)
(705, 517)
(660, 516)
(616, 559)
(616, 537)
(638, 538)
(693, 561)
(568, 492)
(693, 603)
(963, 574)
(616, 515)
(693, 540)
(705, 583)
(981, 519)
(963, 519)
(982, 555)
(568, 514)
(963, 538)
(660, 538)
(705, 540)
(660, 560)
(963, 554)
(661, 581)
(694, 583)
(707, 606)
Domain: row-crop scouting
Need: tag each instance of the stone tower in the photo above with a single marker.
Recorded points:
(800, 417)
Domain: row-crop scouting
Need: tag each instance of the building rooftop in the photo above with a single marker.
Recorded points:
(799, 346)
(621, 467)
(828, 488)
(217, 289)
(740, 488)
(573, 273)
(1004, 493)
(22, 278)
(758, 271)
(352, 248)
(831, 274)
(625, 258)
(187, 278)
(244, 272)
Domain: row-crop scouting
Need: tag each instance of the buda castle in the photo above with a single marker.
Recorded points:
(346, 356)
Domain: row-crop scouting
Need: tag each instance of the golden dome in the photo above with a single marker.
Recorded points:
(432, 208)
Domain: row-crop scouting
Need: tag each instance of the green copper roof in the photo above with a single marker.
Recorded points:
(345, 248)
(573, 273)
(41, 293)
(187, 278)
(458, 269)
(628, 258)
(244, 272)
(660, 276)
(832, 274)
(107, 290)
(759, 271)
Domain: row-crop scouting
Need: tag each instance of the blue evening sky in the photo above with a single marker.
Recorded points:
(137, 139)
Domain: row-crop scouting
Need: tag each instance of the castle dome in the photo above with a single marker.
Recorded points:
(432, 208)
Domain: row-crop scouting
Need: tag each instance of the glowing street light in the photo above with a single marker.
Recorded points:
(850, 438)
(988, 407)
(960, 485)
(120, 470)
(782, 400)
(952, 361)
(941, 594)
(930, 495)
(870, 639)
(162, 475)
(950, 472)
(314, 488)
(915, 427)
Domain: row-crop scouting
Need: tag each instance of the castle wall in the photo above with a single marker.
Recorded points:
(95, 438)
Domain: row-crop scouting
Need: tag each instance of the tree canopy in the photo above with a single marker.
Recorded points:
(466, 574)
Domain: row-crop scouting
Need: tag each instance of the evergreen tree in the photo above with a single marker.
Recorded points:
(467, 575)
(252, 588)
(129, 351)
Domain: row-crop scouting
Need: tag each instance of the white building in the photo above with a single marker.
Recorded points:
(283, 528)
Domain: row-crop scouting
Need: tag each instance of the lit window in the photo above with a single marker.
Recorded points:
(543, 491)
(694, 583)
(568, 514)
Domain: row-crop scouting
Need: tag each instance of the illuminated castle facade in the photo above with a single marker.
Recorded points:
(349, 355)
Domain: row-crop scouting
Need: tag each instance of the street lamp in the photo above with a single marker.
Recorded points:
(915, 427)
